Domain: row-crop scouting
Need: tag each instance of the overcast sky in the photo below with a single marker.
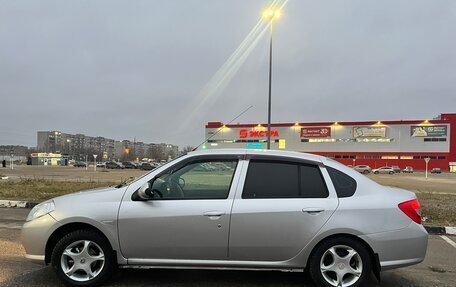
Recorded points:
(125, 69)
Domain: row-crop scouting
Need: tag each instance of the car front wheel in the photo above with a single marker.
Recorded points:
(340, 262)
(83, 258)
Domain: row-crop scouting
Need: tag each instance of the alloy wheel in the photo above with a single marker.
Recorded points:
(82, 260)
(341, 265)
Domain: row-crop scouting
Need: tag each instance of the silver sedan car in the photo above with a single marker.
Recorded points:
(384, 169)
(238, 209)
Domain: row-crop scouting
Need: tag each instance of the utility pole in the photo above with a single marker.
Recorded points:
(95, 162)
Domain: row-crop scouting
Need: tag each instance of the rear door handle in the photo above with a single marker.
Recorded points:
(313, 210)
(214, 214)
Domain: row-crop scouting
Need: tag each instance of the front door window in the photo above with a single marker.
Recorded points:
(196, 180)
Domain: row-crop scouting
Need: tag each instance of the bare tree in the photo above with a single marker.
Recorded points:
(187, 149)
(156, 152)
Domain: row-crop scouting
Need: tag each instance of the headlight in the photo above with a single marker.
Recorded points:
(40, 210)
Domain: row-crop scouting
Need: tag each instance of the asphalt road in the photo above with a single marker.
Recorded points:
(439, 268)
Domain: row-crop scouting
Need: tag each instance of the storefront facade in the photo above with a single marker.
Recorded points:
(402, 143)
(53, 159)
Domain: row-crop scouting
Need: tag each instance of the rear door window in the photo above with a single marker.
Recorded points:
(279, 179)
(312, 182)
(267, 179)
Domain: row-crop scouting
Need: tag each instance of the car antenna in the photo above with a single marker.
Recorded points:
(243, 112)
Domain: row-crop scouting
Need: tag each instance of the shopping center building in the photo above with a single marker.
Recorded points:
(374, 143)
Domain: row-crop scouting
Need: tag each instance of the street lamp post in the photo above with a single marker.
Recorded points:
(270, 14)
(12, 160)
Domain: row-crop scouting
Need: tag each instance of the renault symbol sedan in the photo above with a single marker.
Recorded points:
(232, 209)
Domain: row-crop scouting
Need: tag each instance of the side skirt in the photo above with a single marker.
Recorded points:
(207, 268)
(212, 265)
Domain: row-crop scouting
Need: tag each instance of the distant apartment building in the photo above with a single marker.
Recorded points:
(73, 144)
(107, 149)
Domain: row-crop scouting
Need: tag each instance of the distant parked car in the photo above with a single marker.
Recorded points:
(205, 167)
(79, 164)
(101, 164)
(408, 169)
(396, 169)
(365, 169)
(146, 166)
(113, 165)
(128, 164)
(436, 170)
(384, 169)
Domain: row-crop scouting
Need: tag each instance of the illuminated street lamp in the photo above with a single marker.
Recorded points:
(270, 14)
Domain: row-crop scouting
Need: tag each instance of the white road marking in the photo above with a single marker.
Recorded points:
(448, 240)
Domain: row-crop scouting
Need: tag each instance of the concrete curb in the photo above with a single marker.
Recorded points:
(441, 230)
(17, 203)
(27, 204)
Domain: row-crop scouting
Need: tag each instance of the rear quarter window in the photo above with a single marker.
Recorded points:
(344, 184)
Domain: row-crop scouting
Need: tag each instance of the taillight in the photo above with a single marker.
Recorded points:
(410, 208)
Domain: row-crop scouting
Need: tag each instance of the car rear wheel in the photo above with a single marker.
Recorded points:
(391, 172)
(366, 171)
(340, 262)
(376, 172)
(83, 258)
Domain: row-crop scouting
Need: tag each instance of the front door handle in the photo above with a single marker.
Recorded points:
(313, 210)
(214, 214)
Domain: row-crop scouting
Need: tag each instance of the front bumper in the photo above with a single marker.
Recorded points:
(34, 236)
(399, 248)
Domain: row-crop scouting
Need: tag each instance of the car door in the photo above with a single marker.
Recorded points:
(188, 218)
(279, 209)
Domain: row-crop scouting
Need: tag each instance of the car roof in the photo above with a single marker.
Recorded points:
(277, 153)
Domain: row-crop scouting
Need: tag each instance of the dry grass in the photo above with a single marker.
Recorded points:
(42, 189)
(438, 209)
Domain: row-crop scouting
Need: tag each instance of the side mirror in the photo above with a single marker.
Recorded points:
(143, 193)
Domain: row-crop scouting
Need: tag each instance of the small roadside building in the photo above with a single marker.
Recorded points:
(42, 158)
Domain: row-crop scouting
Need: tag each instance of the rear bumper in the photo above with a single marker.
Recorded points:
(399, 248)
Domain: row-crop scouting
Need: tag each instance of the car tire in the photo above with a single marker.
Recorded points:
(391, 172)
(354, 270)
(375, 172)
(366, 172)
(82, 252)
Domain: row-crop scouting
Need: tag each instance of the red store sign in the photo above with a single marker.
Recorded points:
(319, 132)
(256, 134)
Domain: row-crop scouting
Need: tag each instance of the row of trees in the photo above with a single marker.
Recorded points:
(157, 152)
